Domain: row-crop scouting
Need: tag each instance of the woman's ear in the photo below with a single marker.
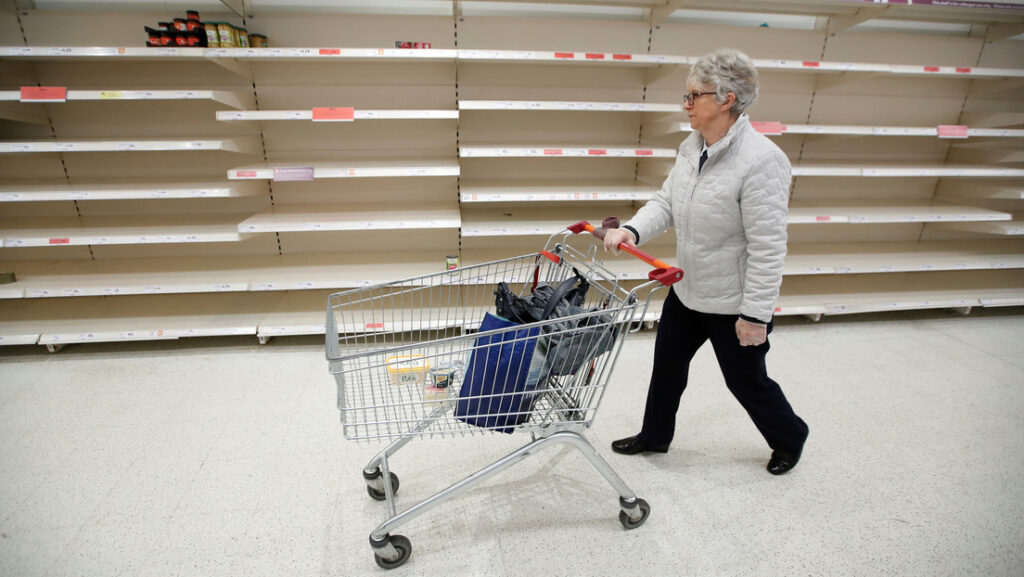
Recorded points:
(730, 99)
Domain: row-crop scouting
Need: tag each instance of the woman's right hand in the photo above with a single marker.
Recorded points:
(613, 237)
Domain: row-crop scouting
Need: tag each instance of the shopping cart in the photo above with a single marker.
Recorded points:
(411, 359)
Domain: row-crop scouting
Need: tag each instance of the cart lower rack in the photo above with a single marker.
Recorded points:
(426, 357)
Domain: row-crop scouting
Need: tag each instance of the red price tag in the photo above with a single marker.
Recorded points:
(330, 51)
(622, 56)
(644, 152)
(333, 114)
(44, 94)
(810, 64)
(565, 55)
(593, 56)
(952, 131)
(765, 127)
(60, 241)
(597, 152)
(931, 68)
(963, 70)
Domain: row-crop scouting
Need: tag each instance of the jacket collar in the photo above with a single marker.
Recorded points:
(741, 125)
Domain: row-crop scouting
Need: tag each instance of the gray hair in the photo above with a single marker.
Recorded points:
(728, 71)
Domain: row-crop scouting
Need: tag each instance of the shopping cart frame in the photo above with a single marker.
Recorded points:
(559, 424)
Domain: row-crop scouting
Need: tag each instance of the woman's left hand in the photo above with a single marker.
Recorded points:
(751, 334)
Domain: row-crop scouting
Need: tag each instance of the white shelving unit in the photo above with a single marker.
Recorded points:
(225, 219)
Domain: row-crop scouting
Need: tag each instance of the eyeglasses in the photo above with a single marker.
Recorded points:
(690, 97)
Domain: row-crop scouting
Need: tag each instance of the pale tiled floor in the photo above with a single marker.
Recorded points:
(224, 457)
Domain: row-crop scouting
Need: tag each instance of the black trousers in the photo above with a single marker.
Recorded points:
(681, 332)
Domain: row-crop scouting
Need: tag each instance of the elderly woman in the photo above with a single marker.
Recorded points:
(726, 196)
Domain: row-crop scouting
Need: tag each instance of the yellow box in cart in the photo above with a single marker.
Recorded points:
(407, 370)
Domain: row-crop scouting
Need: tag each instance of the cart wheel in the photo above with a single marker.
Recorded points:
(645, 511)
(379, 495)
(402, 545)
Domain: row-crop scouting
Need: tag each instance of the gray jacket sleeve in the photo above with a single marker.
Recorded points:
(655, 217)
(764, 205)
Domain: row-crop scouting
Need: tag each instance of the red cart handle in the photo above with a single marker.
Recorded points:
(663, 273)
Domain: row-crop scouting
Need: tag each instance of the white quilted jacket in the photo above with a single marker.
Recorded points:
(730, 222)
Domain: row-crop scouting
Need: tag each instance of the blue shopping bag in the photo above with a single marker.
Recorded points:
(497, 392)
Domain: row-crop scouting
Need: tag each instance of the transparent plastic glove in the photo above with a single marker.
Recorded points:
(618, 235)
(751, 334)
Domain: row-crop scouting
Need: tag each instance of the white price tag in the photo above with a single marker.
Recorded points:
(264, 286)
(61, 51)
(86, 336)
(112, 291)
(19, 147)
(65, 146)
(313, 226)
(304, 285)
(221, 287)
(157, 193)
(152, 289)
(39, 293)
(72, 292)
(79, 195)
(166, 51)
(21, 51)
(127, 146)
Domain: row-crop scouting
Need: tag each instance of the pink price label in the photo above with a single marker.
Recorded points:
(952, 131)
(823, 218)
(375, 325)
(60, 241)
(810, 64)
(765, 127)
(44, 94)
(645, 152)
(597, 152)
(245, 174)
(552, 151)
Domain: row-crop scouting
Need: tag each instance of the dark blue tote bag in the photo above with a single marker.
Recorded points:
(496, 392)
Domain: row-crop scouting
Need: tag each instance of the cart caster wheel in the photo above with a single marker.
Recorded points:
(645, 511)
(379, 495)
(402, 546)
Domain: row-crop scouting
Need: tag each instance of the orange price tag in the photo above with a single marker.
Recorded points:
(343, 114)
(60, 241)
(44, 94)
(330, 51)
(565, 55)
(622, 56)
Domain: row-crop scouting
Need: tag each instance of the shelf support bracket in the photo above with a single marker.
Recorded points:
(840, 23)
(659, 14)
(242, 69)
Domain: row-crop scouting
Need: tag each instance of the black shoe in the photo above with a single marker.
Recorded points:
(633, 445)
(782, 461)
